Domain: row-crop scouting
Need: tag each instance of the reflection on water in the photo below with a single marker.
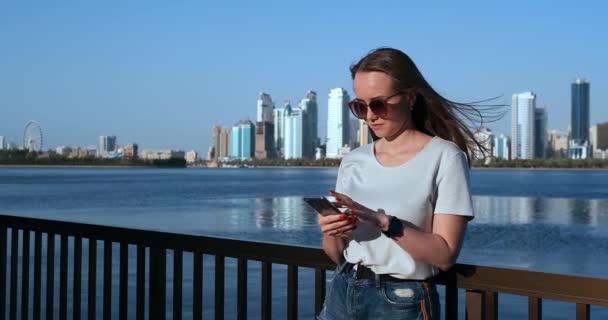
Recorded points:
(521, 210)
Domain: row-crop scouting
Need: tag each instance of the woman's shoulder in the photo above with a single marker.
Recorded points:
(360, 153)
(446, 147)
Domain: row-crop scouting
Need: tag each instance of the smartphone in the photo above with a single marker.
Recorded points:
(321, 203)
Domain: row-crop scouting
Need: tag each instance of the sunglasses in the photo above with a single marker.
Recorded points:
(379, 106)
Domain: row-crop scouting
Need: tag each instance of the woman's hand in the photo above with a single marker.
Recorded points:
(363, 213)
(337, 225)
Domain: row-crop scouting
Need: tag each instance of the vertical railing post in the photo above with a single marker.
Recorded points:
(491, 305)
(50, 275)
(3, 254)
(14, 273)
(320, 278)
(219, 287)
(266, 290)
(292, 292)
(474, 305)
(451, 296)
(25, 274)
(535, 308)
(157, 287)
(242, 289)
(582, 311)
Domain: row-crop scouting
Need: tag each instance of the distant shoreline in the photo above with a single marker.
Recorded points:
(47, 166)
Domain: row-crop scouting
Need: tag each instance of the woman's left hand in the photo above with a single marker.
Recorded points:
(365, 214)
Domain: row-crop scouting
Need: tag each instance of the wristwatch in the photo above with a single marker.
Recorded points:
(395, 228)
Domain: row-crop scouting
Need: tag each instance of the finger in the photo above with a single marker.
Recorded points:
(342, 230)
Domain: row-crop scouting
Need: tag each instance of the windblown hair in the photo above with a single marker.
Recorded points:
(432, 113)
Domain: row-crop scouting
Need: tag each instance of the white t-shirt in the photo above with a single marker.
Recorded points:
(434, 181)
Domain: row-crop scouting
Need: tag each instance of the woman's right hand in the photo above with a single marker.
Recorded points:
(337, 225)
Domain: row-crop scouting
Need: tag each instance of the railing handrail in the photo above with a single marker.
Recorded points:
(572, 288)
(252, 250)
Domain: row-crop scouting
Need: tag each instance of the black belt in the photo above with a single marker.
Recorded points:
(363, 272)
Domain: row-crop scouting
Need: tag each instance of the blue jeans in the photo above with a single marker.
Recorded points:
(351, 298)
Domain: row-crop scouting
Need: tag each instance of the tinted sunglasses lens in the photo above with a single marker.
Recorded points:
(378, 107)
(358, 109)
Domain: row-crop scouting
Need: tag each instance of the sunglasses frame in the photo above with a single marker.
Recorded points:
(385, 105)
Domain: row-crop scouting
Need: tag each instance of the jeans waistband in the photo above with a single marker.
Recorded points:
(363, 272)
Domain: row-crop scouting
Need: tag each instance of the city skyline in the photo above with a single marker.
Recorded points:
(163, 76)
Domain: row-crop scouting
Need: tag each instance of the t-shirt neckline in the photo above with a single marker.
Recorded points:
(424, 148)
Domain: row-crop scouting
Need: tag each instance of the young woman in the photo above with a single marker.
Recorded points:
(406, 195)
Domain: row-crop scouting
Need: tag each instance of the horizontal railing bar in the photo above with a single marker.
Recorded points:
(533, 284)
(276, 253)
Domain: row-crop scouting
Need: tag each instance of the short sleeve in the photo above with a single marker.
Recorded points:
(339, 180)
(453, 195)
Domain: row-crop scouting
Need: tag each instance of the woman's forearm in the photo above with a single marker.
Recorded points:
(439, 247)
(333, 247)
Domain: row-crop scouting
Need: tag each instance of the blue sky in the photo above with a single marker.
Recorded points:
(163, 73)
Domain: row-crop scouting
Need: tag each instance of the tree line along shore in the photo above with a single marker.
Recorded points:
(25, 158)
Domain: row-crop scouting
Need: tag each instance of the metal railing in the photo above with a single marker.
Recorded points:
(482, 284)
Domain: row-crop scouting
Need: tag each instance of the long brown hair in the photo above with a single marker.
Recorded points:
(432, 113)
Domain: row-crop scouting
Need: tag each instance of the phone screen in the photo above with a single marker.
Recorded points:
(321, 203)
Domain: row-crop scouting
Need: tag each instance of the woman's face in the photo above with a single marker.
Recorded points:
(379, 85)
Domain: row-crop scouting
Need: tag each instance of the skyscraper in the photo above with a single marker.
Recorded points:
(579, 140)
(217, 130)
(224, 151)
(264, 140)
(501, 147)
(310, 136)
(558, 144)
(540, 133)
(337, 121)
(265, 107)
(243, 140)
(2, 143)
(580, 110)
(598, 136)
(293, 138)
(279, 127)
(364, 136)
(107, 144)
(485, 137)
(522, 125)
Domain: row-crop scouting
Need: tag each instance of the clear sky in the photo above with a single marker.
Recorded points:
(163, 73)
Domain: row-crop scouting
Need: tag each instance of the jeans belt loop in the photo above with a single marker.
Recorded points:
(358, 271)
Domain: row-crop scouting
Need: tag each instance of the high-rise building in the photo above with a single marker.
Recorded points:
(293, 138)
(522, 125)
(107, 144)
(310, 135)
(217, 131)
(2, 143)
(558, 144)
(279, 127)
(598, 136)
(265, 107)
(224, 150)
(579, 139)
(363, 133)
(485, 137)
(131, 151)
(264, 140)
(191, 156)
(540, 133)
(337, 122)
(501, 147)
(243, 140)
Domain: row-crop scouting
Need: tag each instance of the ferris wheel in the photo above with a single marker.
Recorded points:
(32, 137)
